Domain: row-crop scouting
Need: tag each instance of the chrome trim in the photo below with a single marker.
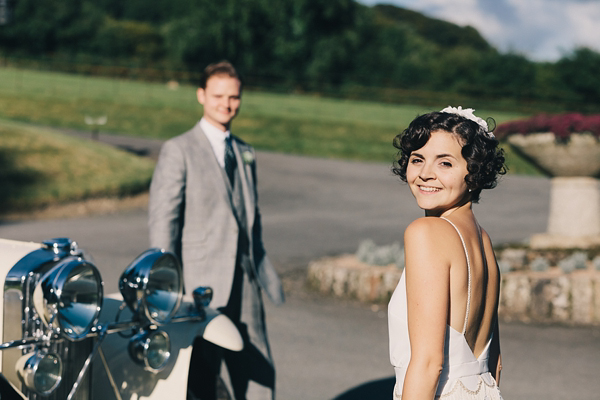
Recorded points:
(22, 343)
(202, 296)
(86, 364)
(134, 282)
(29, 366)
(58, 307)
(62, 245)
(31, 333)
(139, 347)
(19, 285)
(111, 380)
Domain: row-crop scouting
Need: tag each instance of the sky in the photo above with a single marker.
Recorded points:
(541, 30)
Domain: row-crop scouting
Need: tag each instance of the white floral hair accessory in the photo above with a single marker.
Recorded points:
(468, 113)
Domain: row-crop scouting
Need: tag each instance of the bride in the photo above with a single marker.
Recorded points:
(443, 316)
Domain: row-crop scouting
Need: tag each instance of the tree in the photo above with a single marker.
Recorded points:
(317, 42)
(236, 30)
(579, 72)
(48, 26)
(119, 39)
(508, 75)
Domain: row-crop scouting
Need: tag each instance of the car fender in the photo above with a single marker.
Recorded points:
(131, 380)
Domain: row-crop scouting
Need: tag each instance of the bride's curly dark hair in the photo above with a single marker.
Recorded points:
(485, 159)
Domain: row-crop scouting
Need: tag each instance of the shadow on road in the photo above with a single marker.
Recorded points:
(375, 390)
(140, 152)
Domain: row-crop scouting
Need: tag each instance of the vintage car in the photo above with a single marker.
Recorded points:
(63, 339)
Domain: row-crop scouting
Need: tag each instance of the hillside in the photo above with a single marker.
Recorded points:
(40, 167)
(442, 33)
(334, 47)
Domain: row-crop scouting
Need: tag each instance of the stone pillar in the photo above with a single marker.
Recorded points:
(574, 219)
(574, 207)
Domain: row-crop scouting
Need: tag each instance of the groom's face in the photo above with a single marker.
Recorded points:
(221, 100)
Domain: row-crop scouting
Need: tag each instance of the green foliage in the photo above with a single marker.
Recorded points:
(577, 260)
(39, 167)
(596, 263)
(240, 31)
(539, 264)
(579, 72)
(369, 253)
(156, 12)
(308, 45)
(299, 124)
(442, 33)
(396, 56)
(42, 26)
(507, 75)
(125, 38)
(325, 38)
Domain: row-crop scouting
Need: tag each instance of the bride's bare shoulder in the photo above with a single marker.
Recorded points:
(428, 227)
(429, 246)
(430, 234)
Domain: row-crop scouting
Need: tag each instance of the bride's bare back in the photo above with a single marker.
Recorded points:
(485, 281)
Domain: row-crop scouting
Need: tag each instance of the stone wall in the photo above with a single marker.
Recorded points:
(550, 296)
(345, 276)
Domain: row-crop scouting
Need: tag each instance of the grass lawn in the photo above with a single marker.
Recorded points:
(39, 167)
(290, 123)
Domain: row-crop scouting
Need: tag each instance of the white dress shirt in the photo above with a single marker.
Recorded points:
(217, 138)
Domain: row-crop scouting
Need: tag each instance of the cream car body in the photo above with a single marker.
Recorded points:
(112, 354)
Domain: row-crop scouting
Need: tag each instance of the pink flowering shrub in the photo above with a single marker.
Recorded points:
(562, 125)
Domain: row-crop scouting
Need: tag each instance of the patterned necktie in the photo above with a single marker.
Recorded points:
(230, 161)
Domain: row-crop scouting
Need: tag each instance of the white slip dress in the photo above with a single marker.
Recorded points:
(464, 376)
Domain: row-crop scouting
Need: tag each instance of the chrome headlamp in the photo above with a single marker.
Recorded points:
(152, 286)
(41, 372)
(151, 348)
(69, 297)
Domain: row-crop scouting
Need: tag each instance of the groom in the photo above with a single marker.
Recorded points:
(203, 207)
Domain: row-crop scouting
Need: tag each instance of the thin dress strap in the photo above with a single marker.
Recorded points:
(469, 274)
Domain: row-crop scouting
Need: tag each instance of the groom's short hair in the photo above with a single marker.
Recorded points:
(220, 68)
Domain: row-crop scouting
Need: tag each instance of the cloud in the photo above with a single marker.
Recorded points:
(584, 17)
(539, 29)
(551, 28)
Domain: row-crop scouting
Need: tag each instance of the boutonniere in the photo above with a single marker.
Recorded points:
(248, 157)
